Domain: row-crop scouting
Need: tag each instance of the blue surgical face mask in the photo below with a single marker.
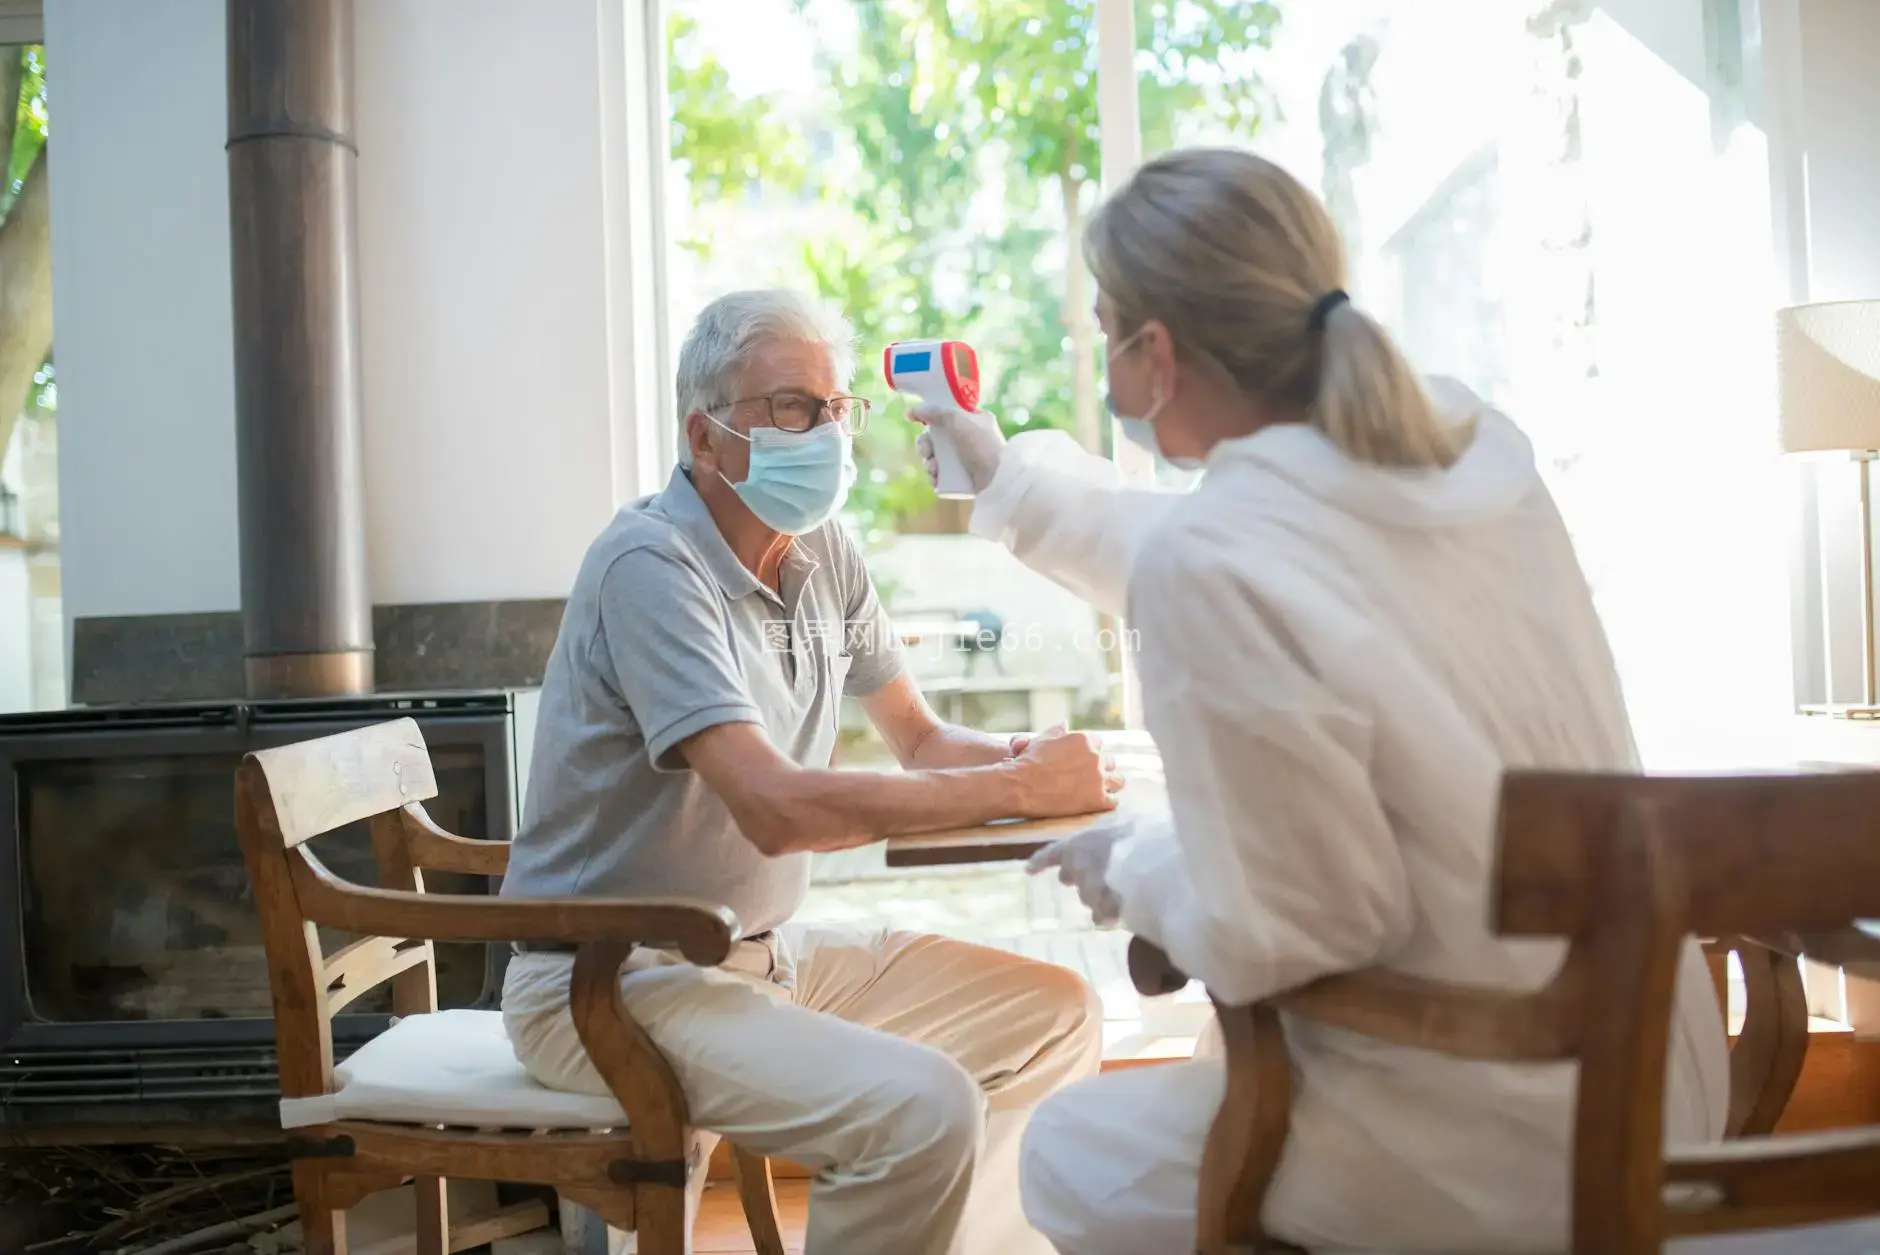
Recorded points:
(1141, 431)
(797, 479)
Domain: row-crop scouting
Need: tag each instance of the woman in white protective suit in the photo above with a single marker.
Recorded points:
(1365, 613)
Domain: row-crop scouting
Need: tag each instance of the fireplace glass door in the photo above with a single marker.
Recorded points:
(136, 903)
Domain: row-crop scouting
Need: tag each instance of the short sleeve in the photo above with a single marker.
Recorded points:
(871, 642)
(663, 635)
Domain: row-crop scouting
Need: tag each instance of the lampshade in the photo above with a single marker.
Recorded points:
(1828, 373)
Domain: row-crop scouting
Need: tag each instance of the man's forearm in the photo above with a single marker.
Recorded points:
(949, 745)
(835, 810)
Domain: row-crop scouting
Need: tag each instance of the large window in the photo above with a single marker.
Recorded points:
(1566, 206)
(1563, 205)
(32, 667)
(927, 168)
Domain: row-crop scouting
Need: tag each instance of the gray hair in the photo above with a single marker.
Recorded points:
(719, 345)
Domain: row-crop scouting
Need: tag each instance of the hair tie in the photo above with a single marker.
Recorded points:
(1323, 309)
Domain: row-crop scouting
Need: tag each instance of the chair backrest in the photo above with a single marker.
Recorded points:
(287, 797)
(1626, 869)
(1755, 853)
(1629, 867)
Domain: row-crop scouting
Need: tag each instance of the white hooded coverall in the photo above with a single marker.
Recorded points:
(1338, 663)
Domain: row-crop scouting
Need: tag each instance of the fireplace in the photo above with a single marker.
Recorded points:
(133, 987)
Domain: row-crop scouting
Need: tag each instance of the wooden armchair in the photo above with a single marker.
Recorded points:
(467, 1110)
(1625, 868)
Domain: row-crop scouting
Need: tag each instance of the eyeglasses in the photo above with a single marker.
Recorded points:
(799, 411)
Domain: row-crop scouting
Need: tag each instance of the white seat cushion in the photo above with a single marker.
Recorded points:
(450, 1067)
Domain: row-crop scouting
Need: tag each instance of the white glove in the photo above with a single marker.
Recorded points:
(976, 438)
(1083, 862)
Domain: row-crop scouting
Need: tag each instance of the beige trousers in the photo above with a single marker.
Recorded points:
(901, 1067)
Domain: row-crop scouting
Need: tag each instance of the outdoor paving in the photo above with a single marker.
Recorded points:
(997, 904)
(993, 904)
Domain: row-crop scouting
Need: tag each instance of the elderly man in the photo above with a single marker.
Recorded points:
(687, 721)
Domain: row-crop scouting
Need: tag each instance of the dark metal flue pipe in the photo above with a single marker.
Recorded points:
(306, 609)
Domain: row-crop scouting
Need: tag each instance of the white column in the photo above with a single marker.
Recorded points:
(1119, 117)
(1119, 128)
(1119, 125)
(141, 315)
(485, 286)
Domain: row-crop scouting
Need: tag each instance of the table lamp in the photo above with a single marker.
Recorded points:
(1828, 380)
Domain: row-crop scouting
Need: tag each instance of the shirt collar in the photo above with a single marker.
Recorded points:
(681, 503)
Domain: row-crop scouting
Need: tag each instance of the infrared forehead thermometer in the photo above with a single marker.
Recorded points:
(937, 372)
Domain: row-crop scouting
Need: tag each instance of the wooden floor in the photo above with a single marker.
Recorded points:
(721, 1229)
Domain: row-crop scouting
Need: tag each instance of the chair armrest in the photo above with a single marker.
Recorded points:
(432, 848)
(1405, 1010)
(701, 931)
(1458, 1020)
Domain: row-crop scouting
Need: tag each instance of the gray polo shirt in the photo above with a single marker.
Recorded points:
(666, 634)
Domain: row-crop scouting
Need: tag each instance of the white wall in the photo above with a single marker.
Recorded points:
(494, 298)
(16, 632)
(1825, 162)
(1691, 511)
(1818, 97)
(483, 296)
(1840, 101)
(140, 289)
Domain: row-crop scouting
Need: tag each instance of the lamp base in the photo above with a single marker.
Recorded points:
(1843, 711)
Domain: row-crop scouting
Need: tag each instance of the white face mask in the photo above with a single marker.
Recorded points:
(796, 480)
(1141, 431)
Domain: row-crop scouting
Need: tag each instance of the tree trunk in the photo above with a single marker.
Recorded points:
(25, 294)
(1077, 322)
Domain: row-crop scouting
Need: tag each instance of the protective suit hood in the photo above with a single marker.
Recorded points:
(1493, 476)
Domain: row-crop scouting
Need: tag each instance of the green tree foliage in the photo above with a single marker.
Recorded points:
(25, 131)
(726, 143)
(973, 130)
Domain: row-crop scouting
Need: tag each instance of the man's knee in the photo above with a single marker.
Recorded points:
(1075, 1013)
(932, 1115)
(1074, 998)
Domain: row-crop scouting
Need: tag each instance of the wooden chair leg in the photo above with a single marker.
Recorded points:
(759, 1196)
(433, 1215)
(322, 1225)
(659, 1219)
(1247, 1137)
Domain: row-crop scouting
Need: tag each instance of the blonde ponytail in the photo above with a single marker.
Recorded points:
(1234, 256)
(1372, 405)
